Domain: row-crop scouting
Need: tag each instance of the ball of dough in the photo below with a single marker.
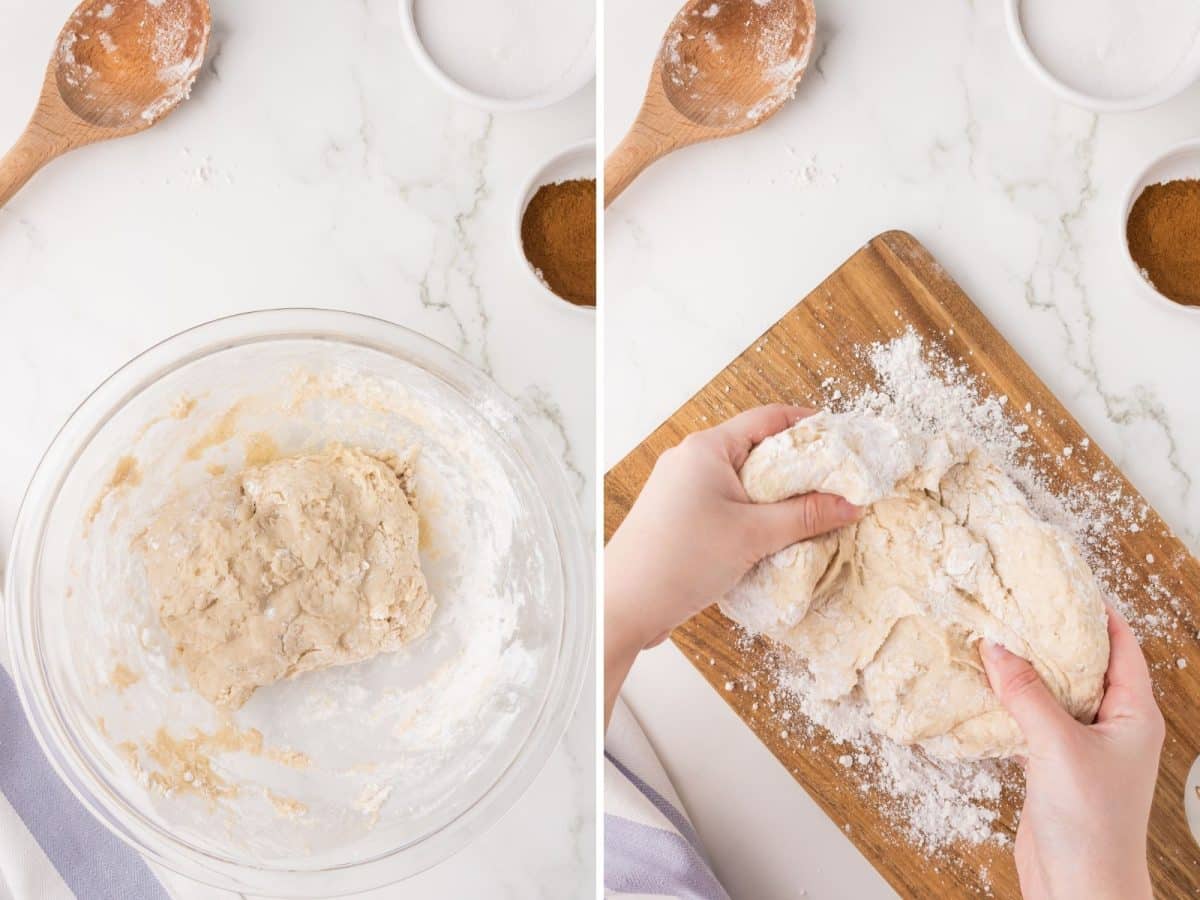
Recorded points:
(889, 611)
(288, 567)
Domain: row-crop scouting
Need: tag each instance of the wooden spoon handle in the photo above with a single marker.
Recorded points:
(30, 153)
(639, 149)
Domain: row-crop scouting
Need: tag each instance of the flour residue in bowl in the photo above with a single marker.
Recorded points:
(393, 747)
(1111, 49)
(508, 49)
(125, 474)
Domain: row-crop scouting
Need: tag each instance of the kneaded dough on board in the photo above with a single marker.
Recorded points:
(296, 565)
(890, 610)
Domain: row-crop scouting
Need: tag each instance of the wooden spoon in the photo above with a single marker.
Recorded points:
(119, 66)
(724, 67)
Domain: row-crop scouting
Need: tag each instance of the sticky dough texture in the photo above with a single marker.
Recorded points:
(890, 610)
(289, 567)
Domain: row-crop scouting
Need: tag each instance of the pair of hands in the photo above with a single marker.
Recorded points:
(693, 534)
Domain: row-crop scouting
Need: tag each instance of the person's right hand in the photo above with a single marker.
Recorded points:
(1088, 788)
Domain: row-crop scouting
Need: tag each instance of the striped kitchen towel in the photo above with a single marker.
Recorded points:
(51, 848)
(650, 846)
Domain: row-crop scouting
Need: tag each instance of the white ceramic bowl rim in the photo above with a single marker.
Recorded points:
(524, 195)
(570, 86)
(1180, 80)
(29, 671)
(1136, 186)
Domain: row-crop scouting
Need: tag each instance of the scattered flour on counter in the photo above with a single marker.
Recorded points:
(937, 803)
(508, 49)
(1111, 48)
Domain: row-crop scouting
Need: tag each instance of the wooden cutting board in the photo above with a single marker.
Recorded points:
(892, 284)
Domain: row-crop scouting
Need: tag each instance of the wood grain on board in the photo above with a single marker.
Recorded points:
(890, 285)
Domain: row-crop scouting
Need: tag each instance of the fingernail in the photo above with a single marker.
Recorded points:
(992, 648)
(848, 511)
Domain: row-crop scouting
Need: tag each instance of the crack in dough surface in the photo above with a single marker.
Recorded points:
(288, 567)
(890, 610)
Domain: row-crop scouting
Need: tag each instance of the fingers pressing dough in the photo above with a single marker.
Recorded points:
(890, 609)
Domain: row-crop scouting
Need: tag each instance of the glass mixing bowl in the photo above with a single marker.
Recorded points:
(336, 781)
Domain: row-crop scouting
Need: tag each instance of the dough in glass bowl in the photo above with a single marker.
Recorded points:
(288, 567)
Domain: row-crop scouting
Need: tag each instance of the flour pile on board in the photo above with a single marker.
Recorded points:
(935, 803)
(923, 389)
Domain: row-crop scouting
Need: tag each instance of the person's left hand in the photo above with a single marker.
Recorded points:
(693, 534)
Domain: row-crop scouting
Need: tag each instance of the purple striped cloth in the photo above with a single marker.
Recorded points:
(51, 847)
(650, 846)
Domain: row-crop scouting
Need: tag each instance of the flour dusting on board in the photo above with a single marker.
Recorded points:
(937, 803)
(925, 390)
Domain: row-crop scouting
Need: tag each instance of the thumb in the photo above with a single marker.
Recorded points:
(779, 525)
(1021, 691)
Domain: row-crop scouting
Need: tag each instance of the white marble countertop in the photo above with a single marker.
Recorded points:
(315, 165)
(916, 116)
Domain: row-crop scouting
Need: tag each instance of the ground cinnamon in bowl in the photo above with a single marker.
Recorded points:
(1163, 232)
(558, 234)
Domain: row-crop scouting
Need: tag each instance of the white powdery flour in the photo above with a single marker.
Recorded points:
(508, 49)
(1111, 48)
(935, 803)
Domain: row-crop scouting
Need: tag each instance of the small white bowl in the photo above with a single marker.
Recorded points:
(578, 161)
(1179, 162)
(1184, 76)
(575, 80)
